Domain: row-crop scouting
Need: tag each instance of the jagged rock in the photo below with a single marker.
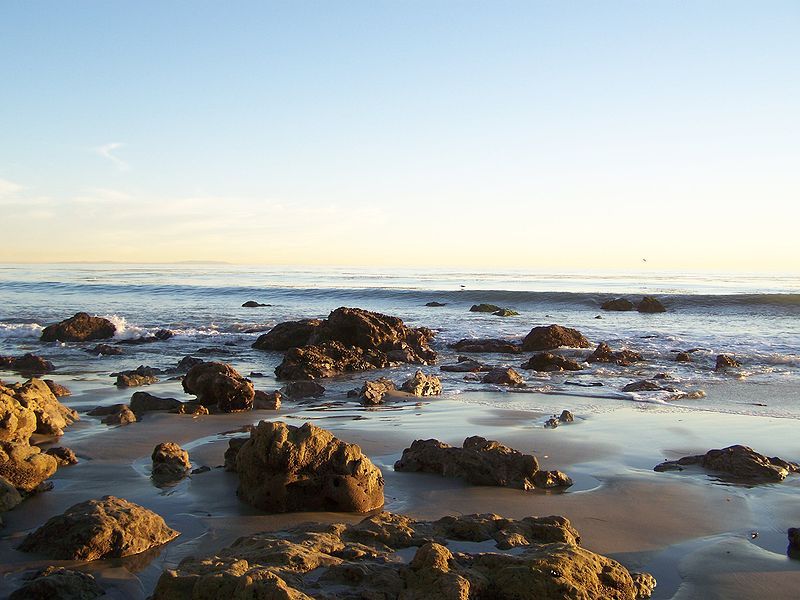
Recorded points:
(547, 361)
(650, 305)
(554, 336)
(422, 385)
(58, 583)
(123, 416)
(9, 496)
(604, 353)
(290, 334)
(24, 466)
(27, 364)
(372, 392)
(285, 468)
(737, 462)
(170, 462)
(479, 461)
(106, 528)
(64, 456)
(327, 360)
(141, 375)
(253, 304)
(59, 391)
(504, 376)
(485, 308)
(618, 304)
(486, 346)
(142, 402)
(216, 383)
(435, 304)
(297, 390)
(104, 350)
(683, 357)
(265, 401)
(81, 327)
(466, 366)
(725, 361)
(34, 396)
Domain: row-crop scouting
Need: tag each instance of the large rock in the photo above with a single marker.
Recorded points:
(24, 466)
(618, 304)
(142, 402)
(326, 360)
(58, 583)
(736, 462)
(81, 327)
(17, 421)
(31, 404)
(297, 390)
(360, 561)
(106, 528)
(479, 461)
(486, 345)
(422, 385)
(504, 376)
(552, 337)
(547, 361)
(603, 353)
(284, 468)
(649, 304)
(290, 334)
(27, 364)
(484, 308)
(141, 375)
(64, 456)
(216, 383)
(170, 462)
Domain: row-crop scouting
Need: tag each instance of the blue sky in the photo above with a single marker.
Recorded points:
(518, 134)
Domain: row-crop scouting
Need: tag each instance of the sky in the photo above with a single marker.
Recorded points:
(496, 134)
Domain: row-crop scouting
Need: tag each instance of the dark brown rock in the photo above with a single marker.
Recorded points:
(683, 357)
(372, 392)
(737, 462)
(618, 304)
(141, 375)
(504, 376)
(27, 364)
(552, 337)
(267, 401)
(106, 528)
(81, 327)
(142, 402)
(725, 361)
(104, 350)
(650, 305)
(297, 390)
(326, 360)
(285, 468)
(547, 361)
(484, 308)
(64, 456)
(435, 304)
(170, 462)
(216, 383)
(604, 353)
(58, 583)
(506, 312)
(253, 304)
(422, 385)
(466, 366)
(794, 537)
(486, 346)
(566, 417)
(645, 385)
(291, 334)
(124, 416)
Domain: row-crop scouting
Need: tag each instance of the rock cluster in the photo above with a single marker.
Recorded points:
(736, 462)
(220, 385)
(552, 337)
(82, 327)
(603, 353)
(360, 561)
(481, 462)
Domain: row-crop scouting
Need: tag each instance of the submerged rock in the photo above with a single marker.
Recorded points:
(123, 416)
(58, 583)
(485, 308)
(603, 353)
(552, 337)
(141, 375)
(81, 327)
(618, 304)
(108, 527)
(505, 312)
(284, 468)
(142, 402)
(28, 364)
(547, 361)
(725, 361)
(253, 304)
(737, 462)
(372, 392)
(215, 383)
(170, 462)
(104, 350)
(486, 345)
(435, 304)
(467, 365)
(683, 357)
(297, 390)
(422, 385)
(649, 304)
(504, 376)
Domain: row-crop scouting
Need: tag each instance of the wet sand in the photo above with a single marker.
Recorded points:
(694, 533)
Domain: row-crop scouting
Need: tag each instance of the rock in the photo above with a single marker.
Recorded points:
(158, 336)
(106, 528)
(64, 456)
(27, 364)
(566, 417)
(486, 346)
(142, 402)
(253, 304)
(59, 391)
(285, 468)
(650, 305)
(794, 537)
(485, 308)
(372, 392)
(124, 416)
(506, 312)
(554, 336)
(290, 334)
(683, 357)
(170, 462)
(9, 496)
(479, 461)
(546, 480)
(326, 360)
(35, 396)
(547, 361)
(466, 366)
(504, 376)
(25, 467)
(234, 445)
(297, 390)
(192, 408)
(186, 363)
(645, 385)
(81, 327)
(604, 353)
(104, 350)
(725, 361)
(422, 385)
(216, 383)
(552, 422)
(58, 583)
(737, 462)
(104, 411)
(141, 375)
(200, 470)
(435, 304)
(265, 401)
(17, 421)
(618, 304)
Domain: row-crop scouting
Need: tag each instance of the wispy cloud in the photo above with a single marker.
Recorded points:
(8, 187)
(107, 151)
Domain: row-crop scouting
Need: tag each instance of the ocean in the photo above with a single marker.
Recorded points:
(755, 318)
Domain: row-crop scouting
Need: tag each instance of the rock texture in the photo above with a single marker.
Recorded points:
(736, 462)
(24, 466)
(552, 337)
(141, 375)
(59, 391)
(284, 468)
(64, 456)
(106, 528)
(547, 361)
(58, 583)
(297, 390)
(122, 416)
(327, 561)
(81, 327)
(290, 334)
(35, 396)
(618, 304)
(649, 304)
(422, 385)
(267, 401)
(220, 385)
(486, 345)
(479, 461)
(372, 392)
(142, 402)
(466, 365)
(27, 364)
(504, 376)
(170, 462)
(485, 308)
(724, 361)
(603, 353)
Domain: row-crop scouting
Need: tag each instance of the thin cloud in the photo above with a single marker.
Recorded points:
(107, 151)
(8, 187)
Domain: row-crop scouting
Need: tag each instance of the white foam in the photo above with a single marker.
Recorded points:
(20, 330)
